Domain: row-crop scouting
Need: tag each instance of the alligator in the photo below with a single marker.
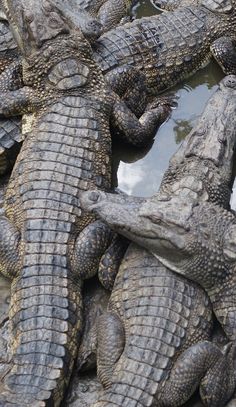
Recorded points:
(48, 244)
(171, 46)
(147, 368)
(11, 73)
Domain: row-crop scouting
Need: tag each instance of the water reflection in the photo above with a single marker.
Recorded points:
(143, 8)
(142, 178)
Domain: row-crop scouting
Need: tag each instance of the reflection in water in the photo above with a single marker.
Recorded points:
(143, 8)
(181, 128)
(143, 178)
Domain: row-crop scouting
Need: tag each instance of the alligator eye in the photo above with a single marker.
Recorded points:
(153, 218)
(54, 21)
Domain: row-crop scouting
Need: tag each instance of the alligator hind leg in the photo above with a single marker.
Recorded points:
(110, 345)
(202, 364)
(9, 248)
(223, 50)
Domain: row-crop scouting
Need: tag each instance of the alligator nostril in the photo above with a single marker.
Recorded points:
(230, 81)
(95, 25)
(94, 196)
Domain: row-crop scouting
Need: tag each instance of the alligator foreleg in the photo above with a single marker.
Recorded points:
(11, 77)
(10, 129)
(129, 83)
(106, 14)
(223, 50)
(204, 365)
(138, 132)
(89, 247)
(20, 101)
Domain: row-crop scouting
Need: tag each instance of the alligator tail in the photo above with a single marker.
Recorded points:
(45, 315)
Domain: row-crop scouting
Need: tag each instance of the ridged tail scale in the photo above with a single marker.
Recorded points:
(60, 157)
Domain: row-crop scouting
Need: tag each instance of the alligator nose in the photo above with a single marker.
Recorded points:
(89, 198)
(96, 27)
(230, 81)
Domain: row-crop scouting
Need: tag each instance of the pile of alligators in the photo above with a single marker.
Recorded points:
(157, 316)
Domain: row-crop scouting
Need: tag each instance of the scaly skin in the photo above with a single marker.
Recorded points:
(168, 47)
(200, 170)
(48, 244)
(165, 54)
(109, 12)
(171, 5)
(10, 129)
(95, 303)
(147, 326)
(11, 78)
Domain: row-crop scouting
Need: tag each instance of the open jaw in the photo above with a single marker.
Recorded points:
(161, 227)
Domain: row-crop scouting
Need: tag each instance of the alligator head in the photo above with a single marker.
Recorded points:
(33, 23)
(160, 227)
(196, 240)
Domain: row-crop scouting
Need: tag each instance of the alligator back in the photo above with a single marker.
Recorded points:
(66, 151)
(162, 315)
(167, 47)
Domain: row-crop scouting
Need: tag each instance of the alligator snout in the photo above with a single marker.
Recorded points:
(229, 81)
(88, 199)
(95, 28)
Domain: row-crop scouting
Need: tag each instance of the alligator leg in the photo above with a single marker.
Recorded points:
(10, 129)
(111, 341)
(89, 247)
(106, 13)
(11, 78)
(9, 248)
(202, 364)
(110, 261)
(138, 132)
(223, 50)
(129, 83)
